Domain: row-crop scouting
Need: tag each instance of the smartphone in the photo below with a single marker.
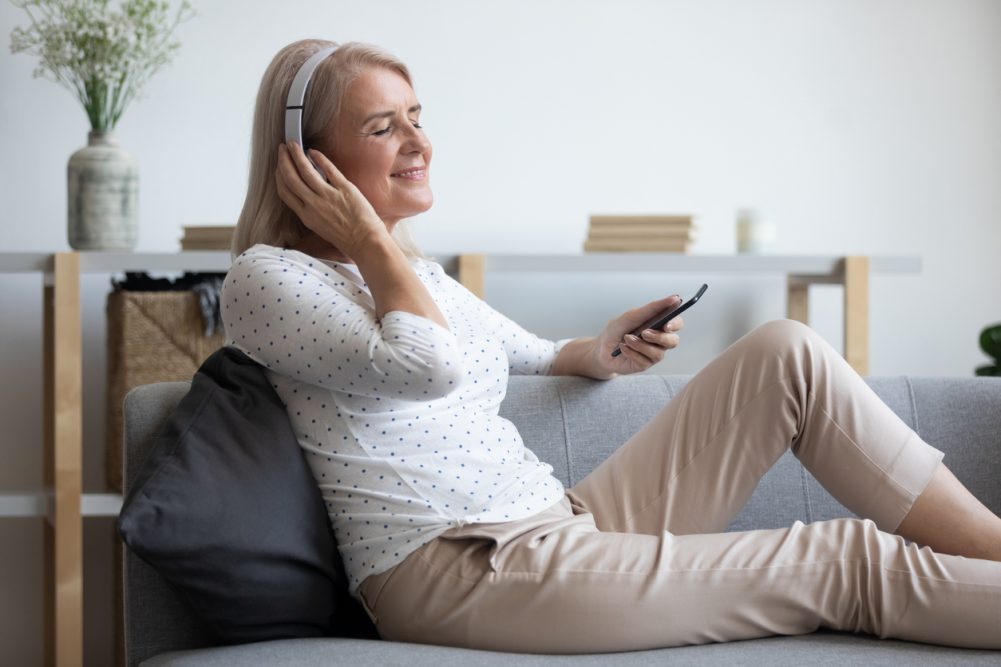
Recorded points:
(661, 319)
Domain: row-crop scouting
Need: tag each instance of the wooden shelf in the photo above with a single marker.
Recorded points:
(114, 262)
(819, 268)
(14, 505)
(190, 260)
(39, 504)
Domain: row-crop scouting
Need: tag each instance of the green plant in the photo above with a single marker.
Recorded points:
(990, 342)
(103, 56)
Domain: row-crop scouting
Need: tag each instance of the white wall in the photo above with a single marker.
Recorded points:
(857, 126)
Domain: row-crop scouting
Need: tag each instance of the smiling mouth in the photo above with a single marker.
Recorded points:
(411, 174)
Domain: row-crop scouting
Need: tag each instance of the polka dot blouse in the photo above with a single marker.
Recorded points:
(397, 418)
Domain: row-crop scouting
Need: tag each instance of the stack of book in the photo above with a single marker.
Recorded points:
(207, 238)
(639, 233)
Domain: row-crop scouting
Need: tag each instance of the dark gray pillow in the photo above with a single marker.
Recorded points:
(226, 510)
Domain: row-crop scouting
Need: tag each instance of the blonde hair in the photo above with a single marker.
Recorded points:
(265, 218)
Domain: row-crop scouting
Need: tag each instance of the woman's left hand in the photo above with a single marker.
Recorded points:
(638, 353)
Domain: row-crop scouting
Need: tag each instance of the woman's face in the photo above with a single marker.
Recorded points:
(380, 147)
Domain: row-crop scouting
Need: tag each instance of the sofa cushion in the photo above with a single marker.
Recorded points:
(226, 510)
(823, 648)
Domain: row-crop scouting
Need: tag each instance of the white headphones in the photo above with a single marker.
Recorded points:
(296, 97)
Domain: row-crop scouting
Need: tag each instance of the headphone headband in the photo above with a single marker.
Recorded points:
(297, 95)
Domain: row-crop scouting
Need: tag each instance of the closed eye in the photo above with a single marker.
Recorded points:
(386, 131)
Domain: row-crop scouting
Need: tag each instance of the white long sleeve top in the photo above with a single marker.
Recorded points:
(398, 417)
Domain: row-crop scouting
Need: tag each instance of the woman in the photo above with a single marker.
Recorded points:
(453, 532)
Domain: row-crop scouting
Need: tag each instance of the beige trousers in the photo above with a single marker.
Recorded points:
(634, 556)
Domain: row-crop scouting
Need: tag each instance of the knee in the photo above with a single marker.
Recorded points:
(779, 337)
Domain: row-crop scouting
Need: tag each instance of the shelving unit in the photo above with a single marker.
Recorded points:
(62, 503)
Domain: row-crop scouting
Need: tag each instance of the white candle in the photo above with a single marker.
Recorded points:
(754, 236)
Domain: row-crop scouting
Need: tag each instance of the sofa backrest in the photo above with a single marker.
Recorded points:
(574, 424)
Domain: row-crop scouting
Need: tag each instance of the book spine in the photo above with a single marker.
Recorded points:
(640, 232)
(631, 246)
(673, 220)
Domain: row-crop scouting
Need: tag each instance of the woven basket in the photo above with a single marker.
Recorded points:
(152, 337)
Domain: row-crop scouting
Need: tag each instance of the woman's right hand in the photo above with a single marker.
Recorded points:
(336, 211)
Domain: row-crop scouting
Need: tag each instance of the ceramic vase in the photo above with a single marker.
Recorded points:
(103, 183)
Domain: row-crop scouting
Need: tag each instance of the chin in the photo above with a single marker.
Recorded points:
(420, 205)
(428, 203)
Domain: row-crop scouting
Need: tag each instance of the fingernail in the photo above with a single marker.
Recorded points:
(647, 333)
(631, 338)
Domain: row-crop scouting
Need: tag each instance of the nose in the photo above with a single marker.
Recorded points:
(416, 141)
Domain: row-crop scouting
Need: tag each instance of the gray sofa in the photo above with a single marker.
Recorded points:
(574, 424)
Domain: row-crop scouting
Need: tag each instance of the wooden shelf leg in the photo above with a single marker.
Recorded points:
(48, 437)
(856, 294)
(471, 273)
(798, 301)
(62, 458)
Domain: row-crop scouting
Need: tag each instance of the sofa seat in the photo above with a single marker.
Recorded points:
(836, 649)
(574, 424)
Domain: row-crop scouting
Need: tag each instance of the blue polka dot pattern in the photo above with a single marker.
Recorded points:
(397, 418)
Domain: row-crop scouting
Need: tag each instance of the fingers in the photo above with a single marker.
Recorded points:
(292, 200)
(653, 343)
(287, 178)
(649, 350)
(642, 354)
(654, 308)
(292, 160)
(673, 326)
(334, 175)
